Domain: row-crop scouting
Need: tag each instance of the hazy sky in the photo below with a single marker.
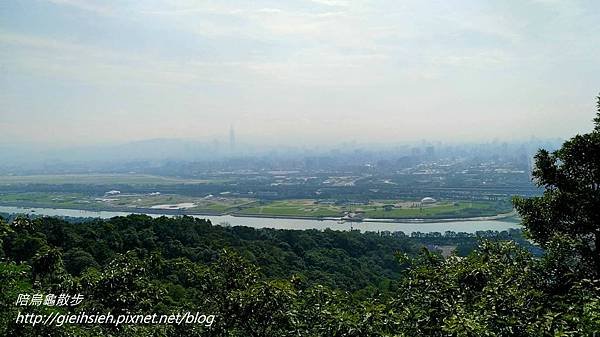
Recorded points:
(296, 70)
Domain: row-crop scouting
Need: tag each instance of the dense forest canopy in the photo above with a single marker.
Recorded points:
(266, 282)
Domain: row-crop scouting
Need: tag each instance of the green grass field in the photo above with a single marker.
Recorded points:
(440, 210)
(304, 208)
(121, 202)
(217, 205)
(378, 210)
(67, 200)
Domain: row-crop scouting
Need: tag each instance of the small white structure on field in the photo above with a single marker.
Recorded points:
(113, 192)
(428, 200)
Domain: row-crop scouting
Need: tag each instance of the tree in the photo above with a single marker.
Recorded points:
(570, 204)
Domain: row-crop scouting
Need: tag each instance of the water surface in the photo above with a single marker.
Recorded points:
(280, 223)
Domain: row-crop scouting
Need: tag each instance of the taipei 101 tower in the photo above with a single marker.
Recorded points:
(231, 138)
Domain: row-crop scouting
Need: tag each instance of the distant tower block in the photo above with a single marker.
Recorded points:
(231, 138)
(430, 151)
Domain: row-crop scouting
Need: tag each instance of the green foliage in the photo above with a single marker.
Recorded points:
(348, 260)
(569, 205)
(500, 289)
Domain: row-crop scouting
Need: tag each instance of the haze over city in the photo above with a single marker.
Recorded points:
(295, 72)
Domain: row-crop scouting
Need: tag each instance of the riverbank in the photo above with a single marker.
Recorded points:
(295, 224)
(384, 220)
(84, 207)
(176, 212)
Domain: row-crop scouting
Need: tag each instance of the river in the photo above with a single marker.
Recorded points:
(280, 223)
